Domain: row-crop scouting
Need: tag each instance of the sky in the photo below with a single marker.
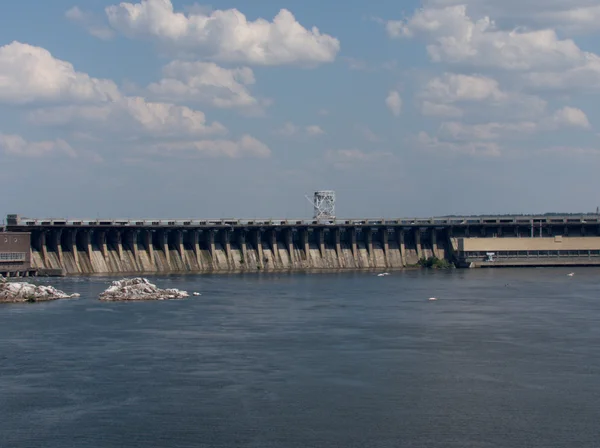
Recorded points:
(168, 108)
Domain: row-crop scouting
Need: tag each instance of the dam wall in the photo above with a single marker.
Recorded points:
(125, 251)
(80, 247)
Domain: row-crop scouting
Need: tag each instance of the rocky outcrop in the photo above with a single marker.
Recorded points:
(139, 289)
(20, 292)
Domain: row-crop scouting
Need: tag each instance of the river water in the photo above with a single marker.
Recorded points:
(504, 358)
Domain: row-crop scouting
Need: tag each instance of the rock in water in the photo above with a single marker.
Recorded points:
(21, 292)
(139, 289)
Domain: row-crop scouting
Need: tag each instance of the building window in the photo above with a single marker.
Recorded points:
(12, 256)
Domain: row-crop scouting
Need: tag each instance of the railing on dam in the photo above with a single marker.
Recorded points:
(16, 220)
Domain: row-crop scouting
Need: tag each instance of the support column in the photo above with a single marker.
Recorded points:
(43, 247)
(402, 247)
(163, 236)
(338, 245)
(227, 245)
(73, 247)
(306, 245)
(386, 245)
(243, 247)
(132, 241)
(196, 246)
(369, 241)
(259, 248)
(56, 234)
(354, 245)
(87, 243)
(289, 241)
(274, 247)
(418, 243)
(211, 247)
(119, 243)
(434, 245)
(149, 245)
(179, 244)
(101, 238)
(321, 240)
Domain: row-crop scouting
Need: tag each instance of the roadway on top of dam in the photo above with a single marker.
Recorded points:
(20, 222)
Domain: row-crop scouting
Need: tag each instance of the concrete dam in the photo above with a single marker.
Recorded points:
(84, 247)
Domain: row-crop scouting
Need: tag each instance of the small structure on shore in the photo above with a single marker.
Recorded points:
(138, 288)
(21, 292)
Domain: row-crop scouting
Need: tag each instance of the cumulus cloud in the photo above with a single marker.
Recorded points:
(225, 35)
(131, 114)
(289, 129)
(394, 103)
(89, 22)
(247, 146)
(29, 73)
(440, 110)
(573, 16)
(314, 130)
(347, 158)
(566, 117)
(486, 149)
(206, 82)
(96, 107)
(441, 93)
(18, 146)
(571, 116)
(456, 38)
(488, 131)
(453, 87)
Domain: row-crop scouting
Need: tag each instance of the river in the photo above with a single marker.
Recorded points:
(504, 358)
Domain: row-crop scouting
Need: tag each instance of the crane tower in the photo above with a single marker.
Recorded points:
(323, 204)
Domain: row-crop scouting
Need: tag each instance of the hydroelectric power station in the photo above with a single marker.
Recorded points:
(113, 246)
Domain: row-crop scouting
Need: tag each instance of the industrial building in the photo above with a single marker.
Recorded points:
(15, 254)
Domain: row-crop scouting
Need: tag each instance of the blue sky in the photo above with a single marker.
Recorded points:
(153, 108)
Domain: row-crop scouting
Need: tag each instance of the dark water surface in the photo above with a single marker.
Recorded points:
(504, 358)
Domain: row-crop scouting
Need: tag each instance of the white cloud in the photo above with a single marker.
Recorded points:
(347, 158)
(573, 19)
(440, 110)
(29, 74)
(89, 22)
(18, 146)
(487, 149)
(394, 102)
(314, 130)
(567, 117)
(131, 115)
(456, 38)
(571, 116)
(206, 82)
(488, 131)
(573, 16)
(441, 93)
(247, 146)
(225, 35)
(289, 129)
(453, 87)
(368, 134)
(585, 76)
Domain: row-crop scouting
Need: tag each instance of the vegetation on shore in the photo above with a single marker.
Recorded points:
(435, 263)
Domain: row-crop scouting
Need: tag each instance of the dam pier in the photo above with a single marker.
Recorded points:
(85, 247)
